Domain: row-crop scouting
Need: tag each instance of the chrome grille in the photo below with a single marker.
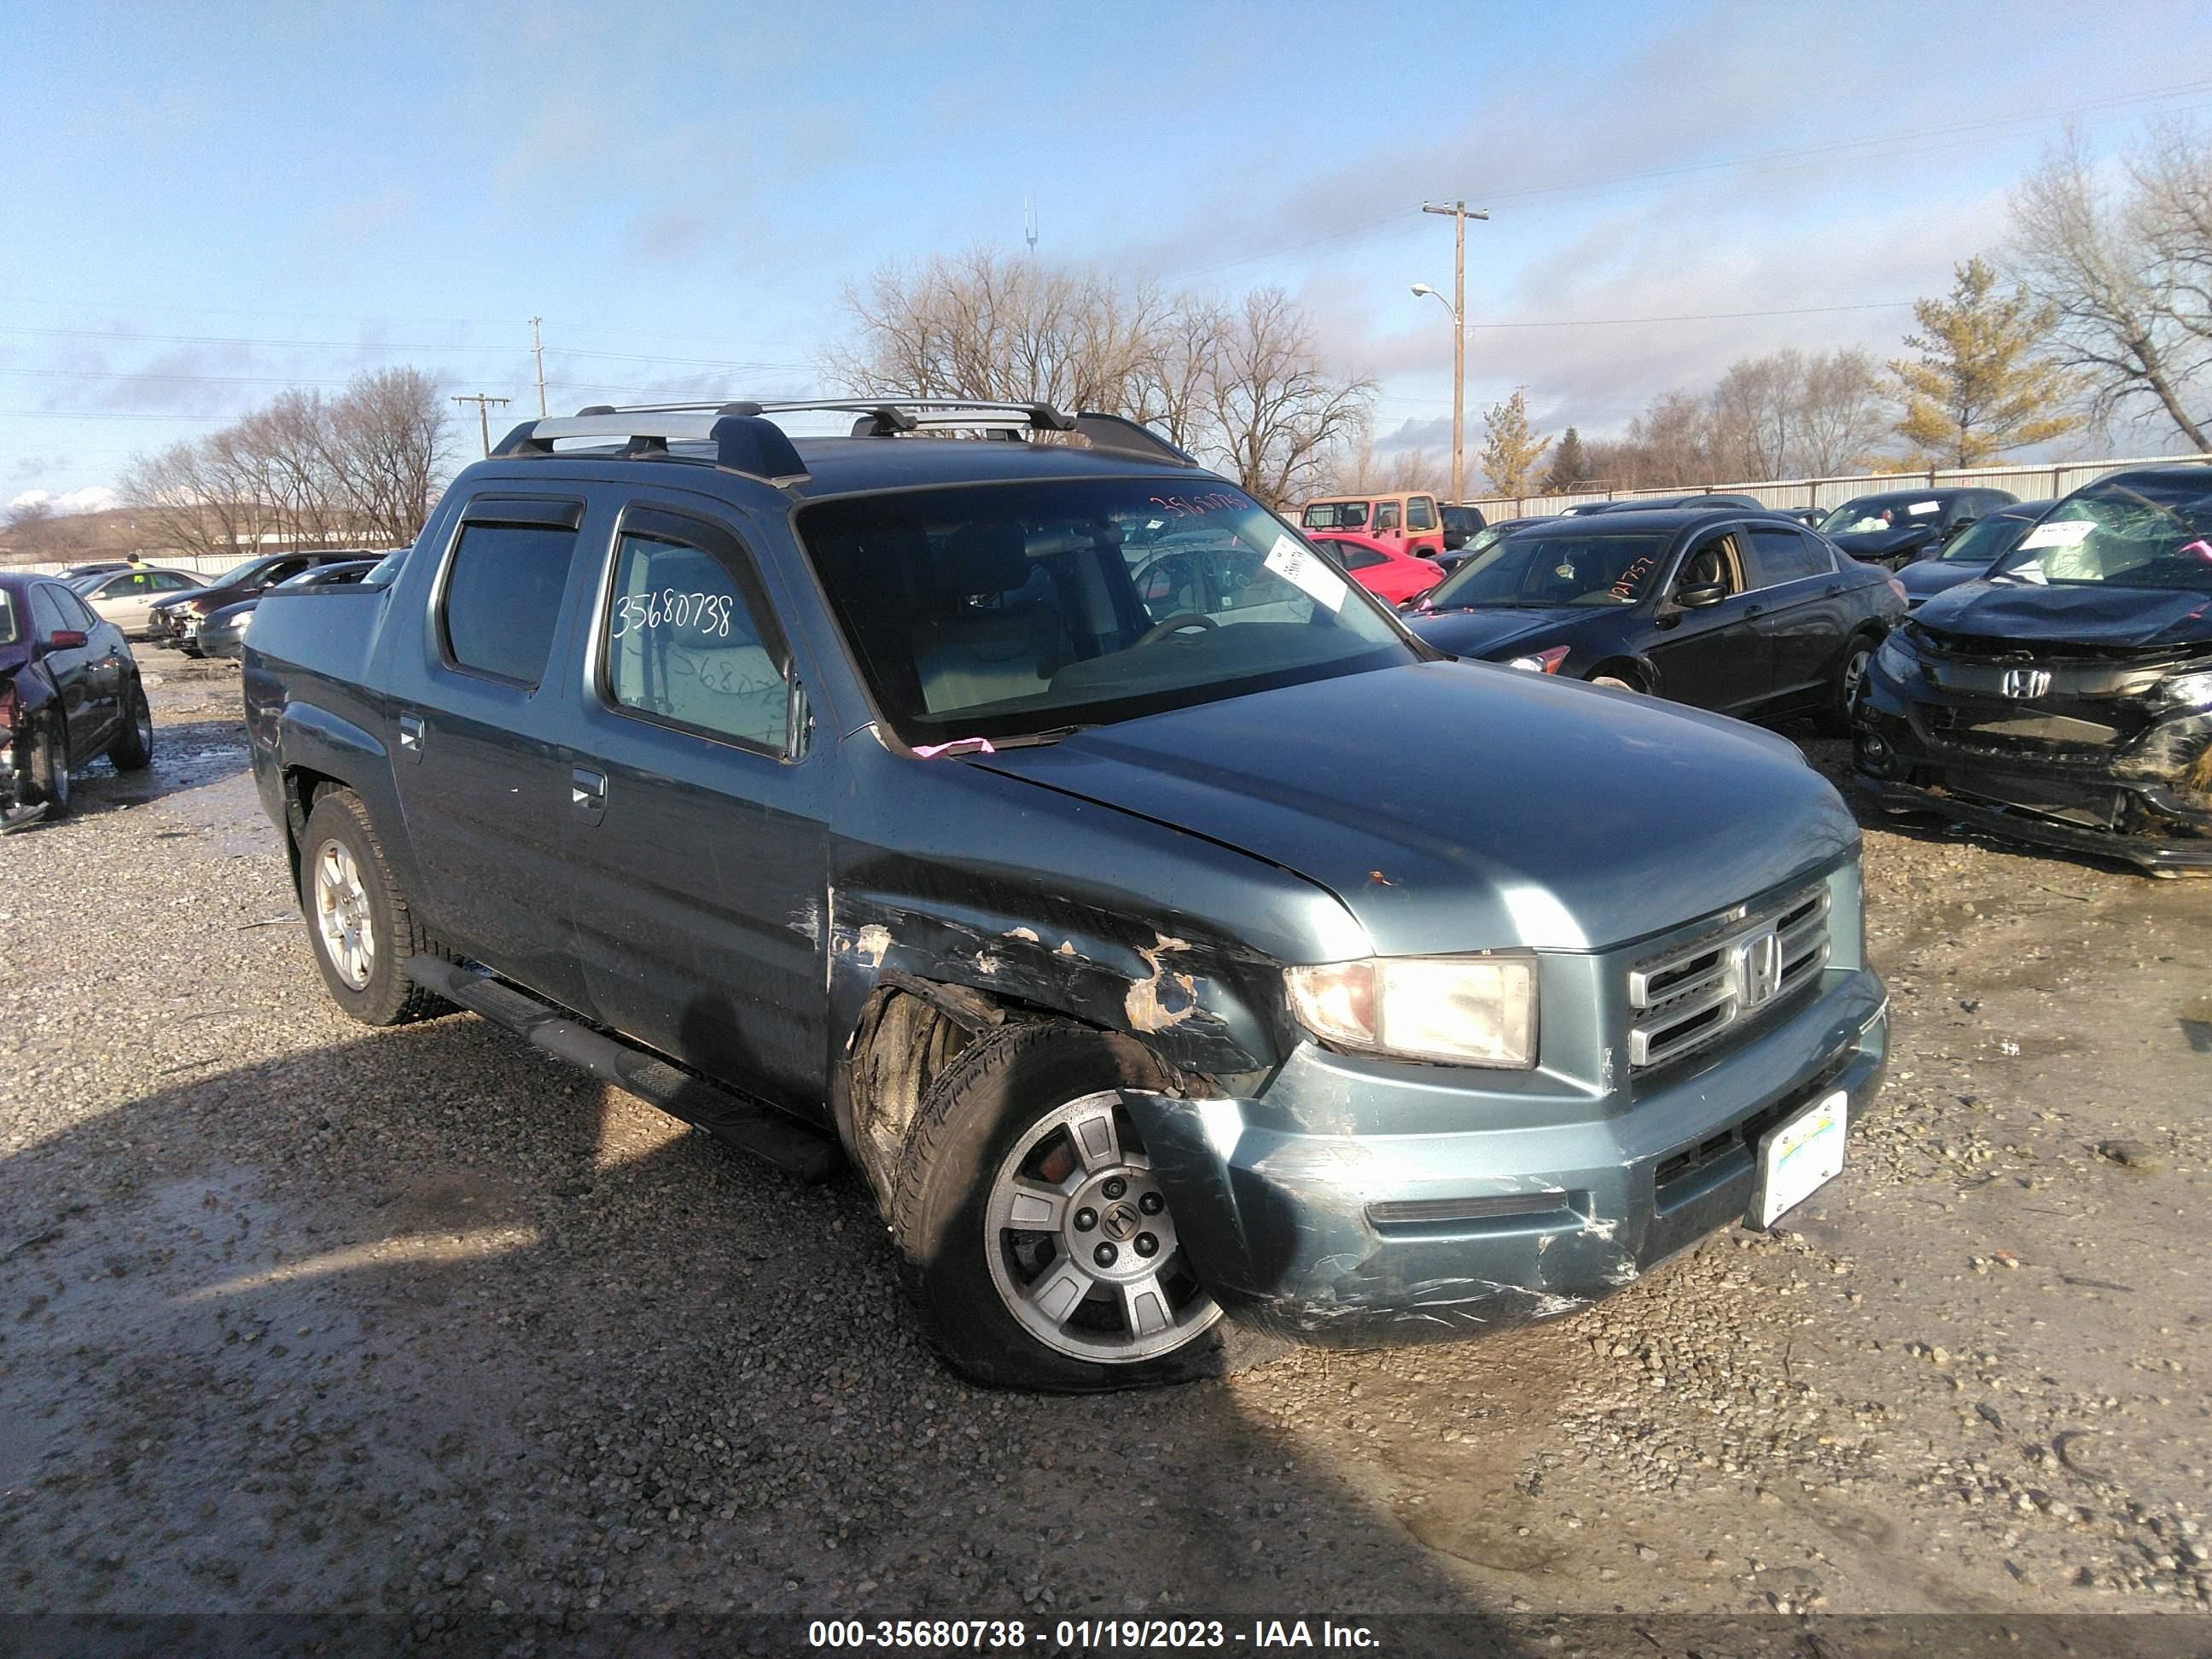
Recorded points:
(1685, 998)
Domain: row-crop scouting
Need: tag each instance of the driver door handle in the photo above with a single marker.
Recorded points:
(1834, 588)
(587, 794)
(1753, 610)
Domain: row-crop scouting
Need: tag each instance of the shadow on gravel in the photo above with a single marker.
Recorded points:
(424, 1324)
(187, 754)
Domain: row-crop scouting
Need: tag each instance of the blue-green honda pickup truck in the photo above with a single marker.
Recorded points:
(994, 802)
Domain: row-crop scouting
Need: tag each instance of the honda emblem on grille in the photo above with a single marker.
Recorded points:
(2025, 682)
(1758, 968)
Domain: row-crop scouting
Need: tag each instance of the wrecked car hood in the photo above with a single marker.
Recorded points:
(1883, 544)
(1454, 807)
(2093, 614)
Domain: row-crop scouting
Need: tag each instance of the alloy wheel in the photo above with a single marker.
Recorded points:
(341, 914)
(1081, 1245)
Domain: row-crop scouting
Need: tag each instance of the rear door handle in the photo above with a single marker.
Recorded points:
(587, 794)
(410, 736)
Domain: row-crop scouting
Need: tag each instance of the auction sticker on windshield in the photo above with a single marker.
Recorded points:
(1307, 572)
(2070, 532)
(1805, 1153)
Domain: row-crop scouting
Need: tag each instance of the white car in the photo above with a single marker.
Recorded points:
(123, 597)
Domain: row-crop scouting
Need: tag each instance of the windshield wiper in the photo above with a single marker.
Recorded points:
(1050, 734)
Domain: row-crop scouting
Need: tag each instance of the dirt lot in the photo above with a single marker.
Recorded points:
(295, 1315)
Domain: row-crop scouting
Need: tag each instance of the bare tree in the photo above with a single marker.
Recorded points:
(389, 441)
(1356, 466)
(2129, 281)
(1755, 411)
(1842, 414)
(1272, 411)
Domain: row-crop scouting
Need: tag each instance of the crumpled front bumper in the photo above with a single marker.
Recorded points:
(2147, 801)
(1285, 1230)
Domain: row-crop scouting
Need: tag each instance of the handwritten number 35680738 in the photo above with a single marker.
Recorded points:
(709, 613)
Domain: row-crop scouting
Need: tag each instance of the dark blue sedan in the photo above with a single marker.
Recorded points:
(1973, 550)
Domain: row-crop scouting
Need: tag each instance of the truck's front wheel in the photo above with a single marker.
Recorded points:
(358, 919)
(1038, 1249)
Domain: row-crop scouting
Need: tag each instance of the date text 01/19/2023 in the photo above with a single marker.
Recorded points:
(1003, 1635)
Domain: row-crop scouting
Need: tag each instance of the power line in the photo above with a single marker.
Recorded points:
(1702, 316)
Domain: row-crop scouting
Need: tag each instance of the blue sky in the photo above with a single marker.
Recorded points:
(204, 205)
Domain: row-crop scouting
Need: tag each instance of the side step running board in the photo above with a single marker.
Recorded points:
(761, 1130)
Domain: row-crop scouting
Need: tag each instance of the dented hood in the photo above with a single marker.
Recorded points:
(2101, 614)
(1454, 807)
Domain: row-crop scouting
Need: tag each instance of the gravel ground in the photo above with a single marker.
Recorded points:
(296, 1316)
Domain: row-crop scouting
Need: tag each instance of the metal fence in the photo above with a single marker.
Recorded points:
(198, 564)
(2028, 483)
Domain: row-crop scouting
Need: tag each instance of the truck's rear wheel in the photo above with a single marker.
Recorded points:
(357, 918)
(1037, 1249)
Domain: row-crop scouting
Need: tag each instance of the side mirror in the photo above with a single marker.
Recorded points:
(1701, 596)
(67, 638)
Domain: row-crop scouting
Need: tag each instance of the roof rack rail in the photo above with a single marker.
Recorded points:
(742, 441)
(745, 440)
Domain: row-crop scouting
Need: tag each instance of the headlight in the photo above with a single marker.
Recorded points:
(2188, 690)
(1469, 1011)
(1896, 658)
(1542, 662)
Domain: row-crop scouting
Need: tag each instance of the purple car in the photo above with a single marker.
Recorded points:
(68, 693)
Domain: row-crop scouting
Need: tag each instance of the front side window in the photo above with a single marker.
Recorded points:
(502, 599)
(1008, 611)
(684, 641)
(1780, 555)
(11, 626)
(1420, 513)
(1981, 542)
(1357, 558)
(1385, 518)
(2142, 532)
(164, 581)
(1540, 570)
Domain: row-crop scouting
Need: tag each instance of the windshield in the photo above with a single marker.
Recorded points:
(2142, 532)
(11, 631)
(1980, 542)
(238, 573)
(1335, 515)
(1592, 569)
(1007, 610)
(1869, 514)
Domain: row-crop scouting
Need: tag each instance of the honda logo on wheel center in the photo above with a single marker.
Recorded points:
(1119, 1223)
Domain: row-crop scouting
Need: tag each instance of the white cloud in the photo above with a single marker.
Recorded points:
(94, 498)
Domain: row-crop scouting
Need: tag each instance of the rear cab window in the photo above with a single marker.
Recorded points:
(499, 604)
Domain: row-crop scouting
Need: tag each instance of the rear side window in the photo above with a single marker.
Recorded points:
(1335, 515)
(1420, 513)
(46, 615)
(502, 599)
(1356, 558)
(687, 638)
(75, 612)
(163, 581)
(1782, 554)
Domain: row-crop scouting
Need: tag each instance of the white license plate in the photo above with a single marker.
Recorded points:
(1800, 1157)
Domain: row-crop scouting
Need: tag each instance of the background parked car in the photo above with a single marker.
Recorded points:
(1899, 525)
(1654, 503)
(1409, 520)
(177, 619)
(1969, 553)
(127, 597)
(100, 566)
(1481, 541)
(222, 632)
(1383, 569)
(1753, 616)
(1461, 525)
(68, 693)
(2065, 698)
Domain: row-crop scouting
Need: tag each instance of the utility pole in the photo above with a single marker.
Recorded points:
(1459, 215)
(484, 413)
(538, 351)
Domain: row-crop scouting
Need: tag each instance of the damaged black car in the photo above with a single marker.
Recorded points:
(2066, 698)
(1896, 528)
